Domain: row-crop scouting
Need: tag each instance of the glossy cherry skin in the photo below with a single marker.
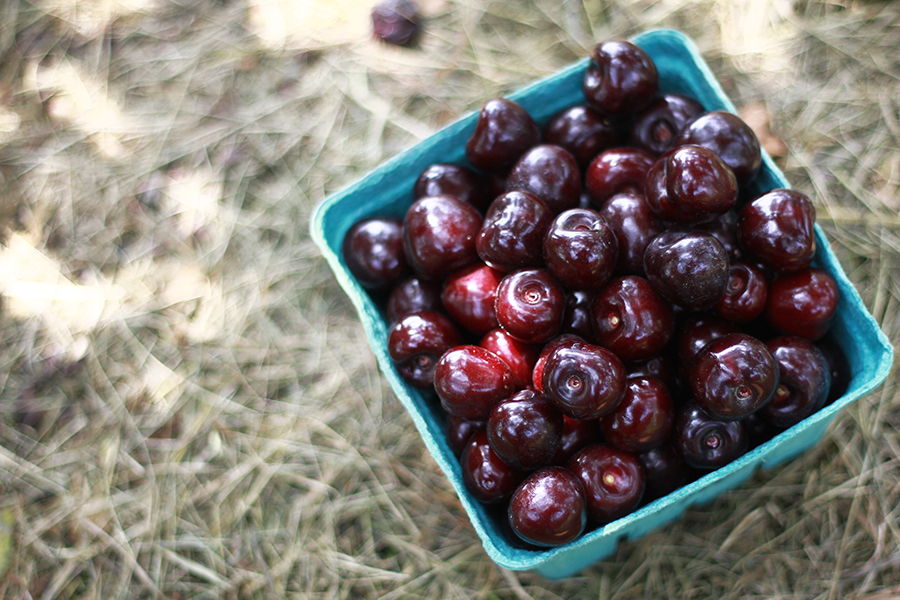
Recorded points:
(580, 249)
(578, 318)
(519, 356)
(621, 78)
(655, 128)
(733, 376)
(838, 366)
(585, 381)
(745, 295)
(459, 431)
(706, 442)
(643, 419)
(512, 235)
(417, 341)
(525, 430)
(635, 226)
(687, 268)
(583, 132)
(439, 235)
(485, 475)
(613, 480)
(530, 305)
(373, 251)
(576, 435)
(413, 295)
(450, 179)
(803, 382)
(777, 229)
(468, 296)
(729, 137)
(694, 332)
(470, 380)
(631, 319)
(662, 367)
(503, 132)
(563, 339)
(690, 184)
(666, 471)
(548, 509)
(549, 172)
(616, 170)
(802, 303)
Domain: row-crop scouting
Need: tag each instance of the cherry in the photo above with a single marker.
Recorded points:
(519, 356)
(373, 251)
(745, 295)
(730, 138)
(470, 380)
(450, 179)
(416, 343)
(580, 249)
(459, 431)
(635, 226)
(616, 170)
(838, 366)
(577, 318)
(585, 381)
(733, 376)
(525, 430)
(564, 339)
(632, 319)
(694, 332)
(576, 435)
(468, 297)
(549, 172)
(706, 442)
(620, 79)
(687, 268)
(643, 419)
(690, 184)
(439, 235)
(485, 475)
(802, 303)
(583, 132)
(613, 480)
(413, 295)
(655, 128)
(512, 235)
(777, 229)
(804, 379)
(661, 367)
(530, 305)
(548, 509)
(665, 470)
(503, 132)
(396, 22)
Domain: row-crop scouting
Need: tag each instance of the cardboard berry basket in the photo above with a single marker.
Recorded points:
(387, 191)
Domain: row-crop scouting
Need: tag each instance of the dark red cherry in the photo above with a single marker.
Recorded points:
(373, 251)
(576, 435)
(580, 249)
(530, 305)
(666, 471)
(564, 339)
(687, 268)
(450, 179)
(470, 380)
(694, 332)
(459, 431)
(485, 475)
(802, 303)
(525, 430)
(632, 319)
(512, 235)
(396, 22)
(416, 343)
(549, 172)
(504, 132)
(468, 297)
(655, 128)
(585, 381)
(635, 226)
(613, 480)
(838, 366)
(643, 419)
(548, 509)
(733, 376)
(662, 367)
(439, 235)
(583, 132)
(519, 356)
(730, 138)
(413, 295)
(617, 170)
(578, 319)
(706, 442)
(804, 379)
(690, 184)
(745, 294)
(777, 229)
(621, 78)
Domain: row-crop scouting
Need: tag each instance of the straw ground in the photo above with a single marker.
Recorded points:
(188, 406)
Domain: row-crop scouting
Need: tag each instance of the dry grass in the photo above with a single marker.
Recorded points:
(186, 412)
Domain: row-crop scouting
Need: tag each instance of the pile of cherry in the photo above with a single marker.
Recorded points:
(601, 308)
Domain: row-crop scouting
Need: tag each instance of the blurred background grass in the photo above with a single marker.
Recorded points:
(186, 411)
